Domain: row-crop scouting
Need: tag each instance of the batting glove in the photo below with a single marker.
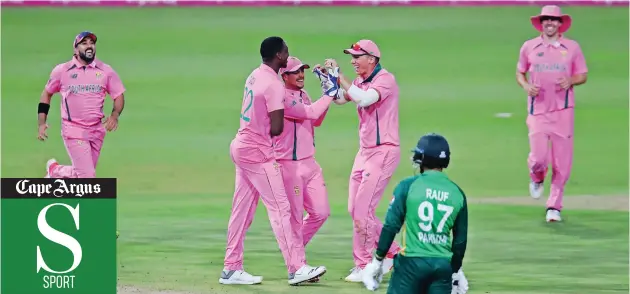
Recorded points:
(372, 274)
(460, 283)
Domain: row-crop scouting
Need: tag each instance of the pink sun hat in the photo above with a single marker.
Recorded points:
(293, 65)
(364, 47)
(553, 11)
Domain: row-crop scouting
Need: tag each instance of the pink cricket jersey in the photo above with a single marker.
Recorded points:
(378, 123)
(301, 116)
(546, 63)
(263, 93)
(83, 90)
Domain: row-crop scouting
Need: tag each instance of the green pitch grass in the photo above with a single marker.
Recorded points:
(184, 71)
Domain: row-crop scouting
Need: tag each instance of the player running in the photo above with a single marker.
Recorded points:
(375, 92)
(555, 65)
(427, 207)
(258, 173)
(295, 151)
(83, 83)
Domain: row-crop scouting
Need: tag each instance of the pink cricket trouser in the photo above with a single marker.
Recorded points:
(84, 148)
(304, 182)
(254, 180)
(371, 172)
(555, 128)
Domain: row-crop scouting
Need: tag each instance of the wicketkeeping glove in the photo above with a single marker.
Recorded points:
(372, 274)
(329, 88)
(319, 74)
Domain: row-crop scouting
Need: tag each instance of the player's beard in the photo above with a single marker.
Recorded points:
(87, 59)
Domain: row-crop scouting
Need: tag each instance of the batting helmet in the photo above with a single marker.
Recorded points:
(431, 152)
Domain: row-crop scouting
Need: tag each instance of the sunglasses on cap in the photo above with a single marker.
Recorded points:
(552, 18)
(357, 47)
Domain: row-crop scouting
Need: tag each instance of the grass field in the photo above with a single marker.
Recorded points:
(184, 71)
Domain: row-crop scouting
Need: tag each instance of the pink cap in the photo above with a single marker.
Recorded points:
(293, 65)
(553, 11)
(364, 47)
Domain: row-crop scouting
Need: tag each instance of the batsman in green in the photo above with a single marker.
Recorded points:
(426, 207)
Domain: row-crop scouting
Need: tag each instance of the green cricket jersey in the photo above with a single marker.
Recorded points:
(427, 207)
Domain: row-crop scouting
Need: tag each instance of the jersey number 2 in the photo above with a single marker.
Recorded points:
(426, 211)
(249, 94)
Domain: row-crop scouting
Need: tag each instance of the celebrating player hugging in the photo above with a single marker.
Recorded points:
(375, 92)
(258, 173)
(274, 156)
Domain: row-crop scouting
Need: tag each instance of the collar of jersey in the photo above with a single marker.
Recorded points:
(434, 172)
(294, 92)
(556, 44)
(374, 72)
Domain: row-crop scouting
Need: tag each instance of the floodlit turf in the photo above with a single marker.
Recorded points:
(184, 71)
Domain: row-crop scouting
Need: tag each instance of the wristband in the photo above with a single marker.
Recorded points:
(43, 108)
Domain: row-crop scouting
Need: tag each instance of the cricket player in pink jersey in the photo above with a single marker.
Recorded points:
(295, 151)
(83, 83)
(555, 65)
(258, 174)
(375, 92)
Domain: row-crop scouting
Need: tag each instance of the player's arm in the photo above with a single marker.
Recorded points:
(342, 97)
(363, 98)
(277, 123)
(521, 79)
(119, 105)
(580, 69)
(274, 96)
(521, 67)
(52, 87)
(43, 107)
(116, 91)
(460, 236)
(320, 119)
(394, 219)
(296, 110)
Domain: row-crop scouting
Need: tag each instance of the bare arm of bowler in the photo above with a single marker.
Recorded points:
(277, 122)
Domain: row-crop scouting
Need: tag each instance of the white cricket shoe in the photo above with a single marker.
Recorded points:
(536, 189)
(306, 273)
(239, 277)
(355, 276)
(387, 265)
(48, 165)
(553, 215)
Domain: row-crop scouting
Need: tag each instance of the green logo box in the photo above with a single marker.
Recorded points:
(58, 236)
